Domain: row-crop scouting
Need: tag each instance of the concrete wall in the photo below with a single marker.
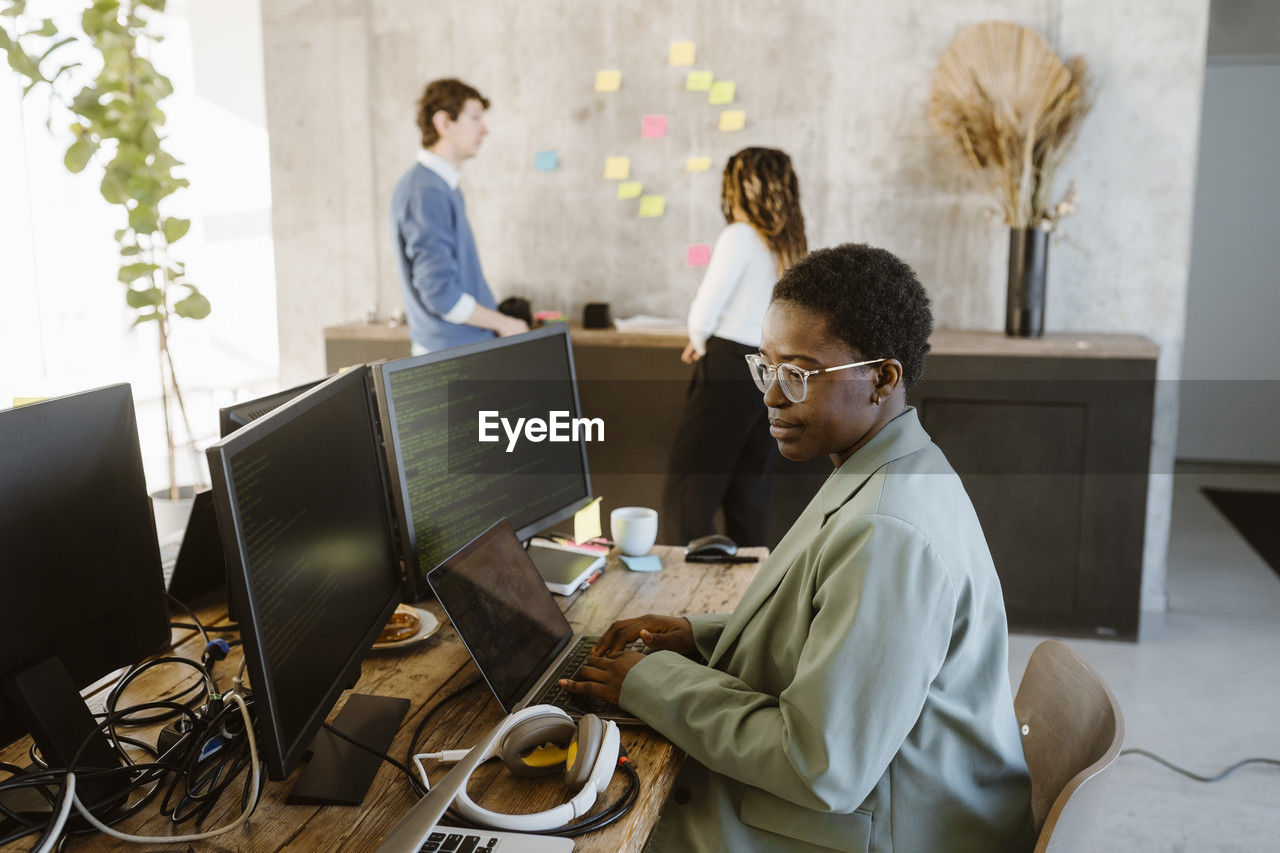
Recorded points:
(842, 86)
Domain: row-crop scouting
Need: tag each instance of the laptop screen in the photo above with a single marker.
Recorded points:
(502, 610)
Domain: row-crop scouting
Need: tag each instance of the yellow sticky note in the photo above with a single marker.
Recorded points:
(721, 92)
(617, 168)
(697, 164)
(630, 189)
(681, 53)
(608, 80)
(698, 81)
(586, 522)
(652, 206)
(733, 120)
(27, 401)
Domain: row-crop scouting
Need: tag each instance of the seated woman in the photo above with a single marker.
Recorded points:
(858, 696)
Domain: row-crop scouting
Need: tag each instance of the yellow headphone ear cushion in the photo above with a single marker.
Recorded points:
(584, 749)
(535, 747)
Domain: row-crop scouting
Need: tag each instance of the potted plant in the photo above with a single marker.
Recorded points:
(101, 88)
(1011, 109)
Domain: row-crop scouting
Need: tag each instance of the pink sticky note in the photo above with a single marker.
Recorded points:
(653, 126)
(699, 255)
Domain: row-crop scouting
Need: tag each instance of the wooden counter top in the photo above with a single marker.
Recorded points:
(944, 341)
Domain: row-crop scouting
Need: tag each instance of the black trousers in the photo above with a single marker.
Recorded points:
(722, 453)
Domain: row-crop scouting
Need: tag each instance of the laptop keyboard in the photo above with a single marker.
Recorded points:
(459, 841)
(554, 694)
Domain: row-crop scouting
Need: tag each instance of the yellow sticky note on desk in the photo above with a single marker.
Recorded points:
(652, 206)
(721, 92)
(731, 120)
(681, 53)
(586, 522)
(608, 80)
(629, 189)
(698, 81)
(697, 164)
(617, 168)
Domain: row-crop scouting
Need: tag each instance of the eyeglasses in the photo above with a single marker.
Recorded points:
(794, 381)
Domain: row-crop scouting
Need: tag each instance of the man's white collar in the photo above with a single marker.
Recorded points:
(440, 166)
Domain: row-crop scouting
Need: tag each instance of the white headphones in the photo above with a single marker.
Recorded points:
(538, 741)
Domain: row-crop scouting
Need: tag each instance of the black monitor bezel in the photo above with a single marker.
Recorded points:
(282, 755)
(416, 575)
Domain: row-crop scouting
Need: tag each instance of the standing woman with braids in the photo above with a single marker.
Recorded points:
(722, 451)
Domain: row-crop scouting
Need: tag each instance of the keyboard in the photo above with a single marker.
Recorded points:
(448, 839)
(575, 704)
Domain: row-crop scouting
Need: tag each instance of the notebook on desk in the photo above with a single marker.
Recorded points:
(512, 627)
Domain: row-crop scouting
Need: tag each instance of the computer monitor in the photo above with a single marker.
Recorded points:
(80, 568)
(303, 511)
(451, 486)
(231, 418)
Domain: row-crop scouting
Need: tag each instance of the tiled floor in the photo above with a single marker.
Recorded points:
(1201, 688)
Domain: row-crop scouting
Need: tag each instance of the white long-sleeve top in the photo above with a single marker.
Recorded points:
(735, 290)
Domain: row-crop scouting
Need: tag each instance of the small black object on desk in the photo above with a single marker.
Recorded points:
(712, 558)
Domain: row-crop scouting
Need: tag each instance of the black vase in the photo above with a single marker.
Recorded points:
(1028, 264)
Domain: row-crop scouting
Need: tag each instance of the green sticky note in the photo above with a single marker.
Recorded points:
(630, 189)
(652, 206)
(698, 81)
(721, 92)
(647, 563)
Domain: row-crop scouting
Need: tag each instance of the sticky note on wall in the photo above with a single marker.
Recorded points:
(608, 80)
(653, 126)
(617, 168)
(698, 81)
(546, 161)
(731, 120)
(630, 189)
(681, 53)
(721, 92)
(697, 164)
(698, 255)
(586, 522)
(652, 206)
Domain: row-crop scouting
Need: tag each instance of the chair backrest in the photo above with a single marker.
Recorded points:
(1072, 730)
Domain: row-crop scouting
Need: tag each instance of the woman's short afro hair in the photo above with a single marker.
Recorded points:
(871, 299)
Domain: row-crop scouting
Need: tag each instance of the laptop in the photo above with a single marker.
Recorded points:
(513, 628)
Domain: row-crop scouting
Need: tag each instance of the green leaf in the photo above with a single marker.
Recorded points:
(45, 30)
(64, 69)
(143, 219)
(79, 154)
(142, 318)
(129, 251)
(148, 298)
(14, 9)
(5, 41)
(193, 307)
(158, 5)
(112, 188)
(132, 272)
(23, 64)
(55, 45)
(120, 233)
(175, 229)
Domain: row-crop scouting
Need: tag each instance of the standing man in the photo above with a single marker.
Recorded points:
(447, 300)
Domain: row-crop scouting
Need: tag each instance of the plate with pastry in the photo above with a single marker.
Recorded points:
(408, 625)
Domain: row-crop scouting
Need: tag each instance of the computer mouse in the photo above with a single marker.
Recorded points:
(715, 545)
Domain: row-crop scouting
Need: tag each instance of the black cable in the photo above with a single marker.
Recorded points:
(1196, 776)
(204, 635)
(399, 765)
(229, 628)
(422, 724)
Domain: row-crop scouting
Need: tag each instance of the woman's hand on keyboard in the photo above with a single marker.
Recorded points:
(657, 631)
(602, 677)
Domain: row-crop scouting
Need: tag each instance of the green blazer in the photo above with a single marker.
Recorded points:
(858, 696)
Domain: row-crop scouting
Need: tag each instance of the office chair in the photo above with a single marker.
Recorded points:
(1072, 730)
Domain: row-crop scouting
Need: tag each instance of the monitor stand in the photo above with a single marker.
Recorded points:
(340, 773)
(44, 697)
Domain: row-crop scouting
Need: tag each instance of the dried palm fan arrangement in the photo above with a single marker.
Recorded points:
(1012, 108)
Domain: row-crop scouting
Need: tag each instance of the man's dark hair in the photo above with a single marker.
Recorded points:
(872, 301)
(449, 95)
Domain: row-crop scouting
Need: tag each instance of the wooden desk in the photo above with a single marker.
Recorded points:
(425, 673)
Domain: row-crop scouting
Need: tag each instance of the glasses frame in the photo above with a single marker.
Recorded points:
(770, 374)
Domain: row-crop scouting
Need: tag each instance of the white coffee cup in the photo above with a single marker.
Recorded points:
(634, 529)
